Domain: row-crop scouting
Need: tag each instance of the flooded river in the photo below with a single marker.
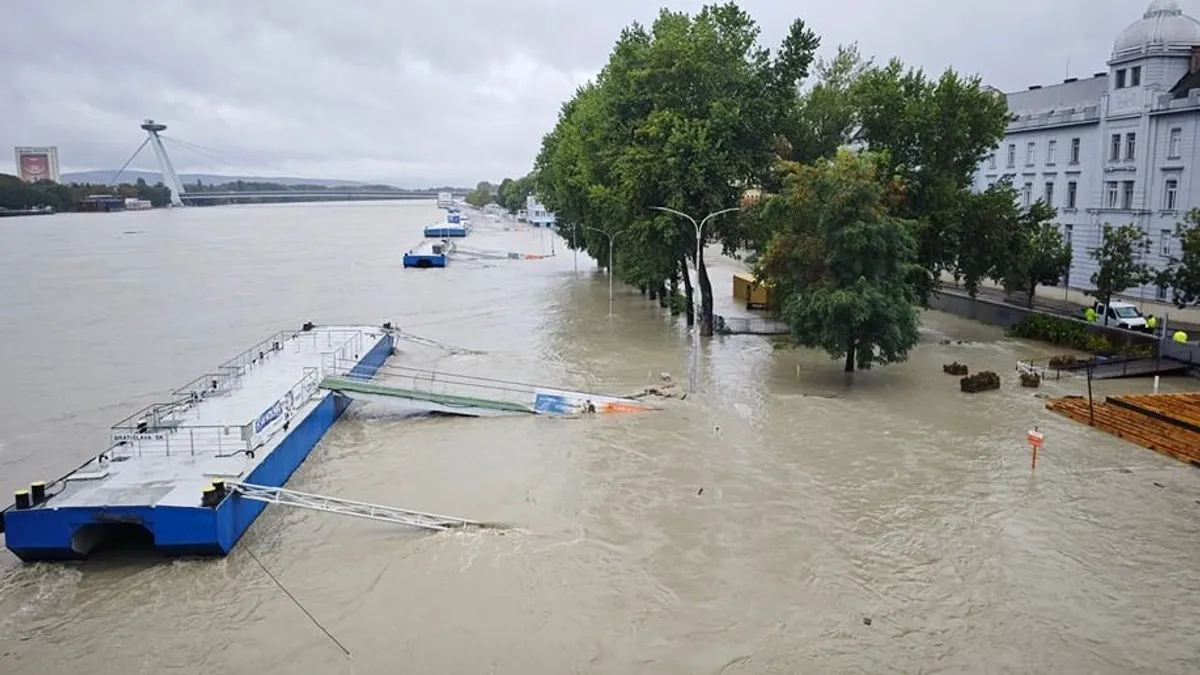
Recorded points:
(781, 521)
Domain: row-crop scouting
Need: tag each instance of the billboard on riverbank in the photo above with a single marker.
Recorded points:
(34, 164)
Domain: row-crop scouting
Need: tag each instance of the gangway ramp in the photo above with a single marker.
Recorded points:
(469, 406)
(474, 396)
(346, 507)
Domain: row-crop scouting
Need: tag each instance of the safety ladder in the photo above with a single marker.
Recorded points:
(346, 507)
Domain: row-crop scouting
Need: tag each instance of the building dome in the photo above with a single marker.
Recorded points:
(1163, 29)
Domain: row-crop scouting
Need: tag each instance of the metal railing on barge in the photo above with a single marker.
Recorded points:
(162, 429)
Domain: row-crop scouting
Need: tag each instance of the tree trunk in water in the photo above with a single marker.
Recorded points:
(653, 292)
(850, 359)
(674, 290)
(706, 300)
(663, 298)
(688, 293)
(642, 288)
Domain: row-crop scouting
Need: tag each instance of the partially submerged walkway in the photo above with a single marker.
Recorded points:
(1168, 423)
(472, 396)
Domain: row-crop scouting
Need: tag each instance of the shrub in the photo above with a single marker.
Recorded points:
(982, 381)
(956, 368)
(1031, 380)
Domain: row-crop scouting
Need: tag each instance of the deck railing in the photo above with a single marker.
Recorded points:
(221, 441)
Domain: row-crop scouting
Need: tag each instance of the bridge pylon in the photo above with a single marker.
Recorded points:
(164, 161)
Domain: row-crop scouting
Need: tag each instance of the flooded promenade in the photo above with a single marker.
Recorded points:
(753, 528)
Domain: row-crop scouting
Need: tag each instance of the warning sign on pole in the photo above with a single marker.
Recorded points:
(1035, 438)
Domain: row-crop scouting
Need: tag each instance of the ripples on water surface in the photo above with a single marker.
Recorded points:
(747, 530)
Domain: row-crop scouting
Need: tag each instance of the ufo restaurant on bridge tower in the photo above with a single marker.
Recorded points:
(1118, 147)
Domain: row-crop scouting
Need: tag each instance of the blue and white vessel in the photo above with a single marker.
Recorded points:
(163, 477)
(456, 225)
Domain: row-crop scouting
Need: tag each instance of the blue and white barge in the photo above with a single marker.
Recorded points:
(163, 477)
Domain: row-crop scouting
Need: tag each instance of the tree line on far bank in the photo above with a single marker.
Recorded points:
(17, 194)
(509, 194)
(853, 186)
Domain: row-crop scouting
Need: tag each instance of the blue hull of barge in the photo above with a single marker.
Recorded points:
(424, 260)
(47, 533)
(442, 231)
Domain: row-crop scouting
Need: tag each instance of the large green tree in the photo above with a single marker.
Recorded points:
(685, 115)
(1120, 260)
(1182, 274)
(934, 133)
(842, 264)
(1033, 252)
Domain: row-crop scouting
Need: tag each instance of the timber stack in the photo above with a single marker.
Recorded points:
(1168, 423)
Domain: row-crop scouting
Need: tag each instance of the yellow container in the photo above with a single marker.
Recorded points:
(747, 289)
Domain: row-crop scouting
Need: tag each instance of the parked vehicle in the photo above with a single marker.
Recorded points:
(1120, 314)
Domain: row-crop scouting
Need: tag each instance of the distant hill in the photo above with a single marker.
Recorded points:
(102, 177)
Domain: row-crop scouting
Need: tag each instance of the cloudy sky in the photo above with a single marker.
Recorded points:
(423, 92)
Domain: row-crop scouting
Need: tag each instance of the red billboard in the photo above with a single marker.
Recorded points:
(35, 168)
(34, 164)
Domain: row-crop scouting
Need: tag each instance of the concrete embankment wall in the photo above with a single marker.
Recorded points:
(1006, 316)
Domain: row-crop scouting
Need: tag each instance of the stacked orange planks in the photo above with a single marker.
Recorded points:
(1170, 435)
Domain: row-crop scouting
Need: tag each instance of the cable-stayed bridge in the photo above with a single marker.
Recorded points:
(180, 196)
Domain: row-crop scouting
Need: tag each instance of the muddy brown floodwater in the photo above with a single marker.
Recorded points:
(753, 528)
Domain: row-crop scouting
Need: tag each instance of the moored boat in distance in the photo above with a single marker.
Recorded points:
(165, 479)
(455, 226)
(429, 253)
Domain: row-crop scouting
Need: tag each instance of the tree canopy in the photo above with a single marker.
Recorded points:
(1182, 274)
(694, 115)
(1120, 261)
(685, 115)
(843, 266)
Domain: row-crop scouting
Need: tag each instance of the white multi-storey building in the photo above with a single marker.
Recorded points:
(1118, 147)
(537, 215)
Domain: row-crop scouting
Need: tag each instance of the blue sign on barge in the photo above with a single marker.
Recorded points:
(164, 474)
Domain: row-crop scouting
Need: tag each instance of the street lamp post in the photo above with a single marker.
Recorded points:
(612, 236)
(699, 226)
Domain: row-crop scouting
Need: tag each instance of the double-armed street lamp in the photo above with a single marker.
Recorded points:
(699, 226)
(612, 236)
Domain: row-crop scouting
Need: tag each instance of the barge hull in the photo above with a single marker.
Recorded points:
(70, 531)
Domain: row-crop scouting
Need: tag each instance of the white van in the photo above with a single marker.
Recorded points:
(1122, 315)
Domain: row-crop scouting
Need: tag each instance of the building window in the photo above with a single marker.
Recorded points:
(1121, 79)
(1114, 152)
(1130, 146)
(1030, 153)
(1012, 155)
(1161, 293)
(1135, 76)
(1027, 195)
(1127, 195)
(1051, 150)
(1111, 200)
(1075, 150)
(1072, 193)
(1070, 233)
(1171, 194)
(992, 161)
(1049, 196)
(1175, 147)
(1164, 243)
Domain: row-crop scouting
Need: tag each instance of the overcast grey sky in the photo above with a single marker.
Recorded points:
(422, 92)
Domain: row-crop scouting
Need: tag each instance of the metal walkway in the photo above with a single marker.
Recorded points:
(346, 507)
(455, 403)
